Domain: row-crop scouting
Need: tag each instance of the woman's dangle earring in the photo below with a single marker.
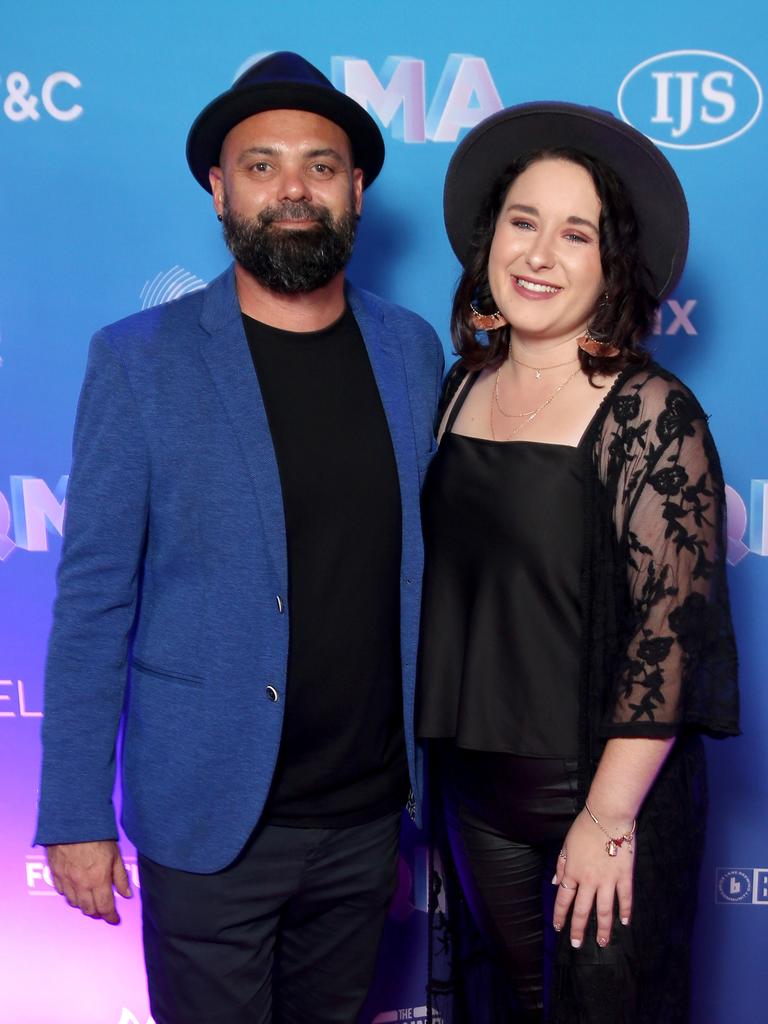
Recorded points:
(595, 346)
(487, 321)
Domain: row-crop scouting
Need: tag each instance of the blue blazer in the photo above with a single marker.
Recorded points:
(171, 618)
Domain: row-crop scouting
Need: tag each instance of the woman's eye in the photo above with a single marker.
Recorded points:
(576, 238)
(524, 224)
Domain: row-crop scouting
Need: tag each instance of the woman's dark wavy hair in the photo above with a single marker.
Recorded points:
(624, 318)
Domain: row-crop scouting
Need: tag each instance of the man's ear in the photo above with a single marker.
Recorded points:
(216, 178)
(357, 189)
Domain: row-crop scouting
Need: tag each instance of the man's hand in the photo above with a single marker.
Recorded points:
(85, 873)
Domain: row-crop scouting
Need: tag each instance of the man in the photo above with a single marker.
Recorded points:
(239, 585)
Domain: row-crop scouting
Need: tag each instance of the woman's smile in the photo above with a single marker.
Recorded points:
(533, 289)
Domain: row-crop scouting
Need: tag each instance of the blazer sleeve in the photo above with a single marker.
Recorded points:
(678, 668)
(106, 516)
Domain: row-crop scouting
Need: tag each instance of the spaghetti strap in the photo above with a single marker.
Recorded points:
(463, 392)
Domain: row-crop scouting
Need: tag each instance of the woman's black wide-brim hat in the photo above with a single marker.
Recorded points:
(282, 81)
(652, 185)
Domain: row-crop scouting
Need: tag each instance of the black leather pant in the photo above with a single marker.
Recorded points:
(506, 819)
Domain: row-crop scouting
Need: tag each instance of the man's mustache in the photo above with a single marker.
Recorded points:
(294, 211)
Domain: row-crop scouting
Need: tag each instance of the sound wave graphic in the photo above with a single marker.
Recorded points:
(169, 285)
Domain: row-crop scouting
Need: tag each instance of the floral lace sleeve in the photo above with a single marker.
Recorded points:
(677, 658)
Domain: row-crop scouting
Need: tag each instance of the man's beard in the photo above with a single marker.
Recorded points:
(291, 260)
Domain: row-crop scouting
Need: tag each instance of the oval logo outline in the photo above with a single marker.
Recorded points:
(693, 53)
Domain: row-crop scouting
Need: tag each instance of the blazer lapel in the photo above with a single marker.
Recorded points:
(385, 352)
(225, 350)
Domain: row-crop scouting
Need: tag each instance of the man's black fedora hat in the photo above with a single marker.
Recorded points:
(652, 185)
(282, 81)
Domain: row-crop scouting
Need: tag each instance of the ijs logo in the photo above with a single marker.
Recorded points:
(747, 886)
(691, 99)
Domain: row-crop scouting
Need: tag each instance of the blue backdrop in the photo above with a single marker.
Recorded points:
(100, 216)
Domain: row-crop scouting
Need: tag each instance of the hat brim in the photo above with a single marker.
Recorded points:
(207, 134)
(651, 183)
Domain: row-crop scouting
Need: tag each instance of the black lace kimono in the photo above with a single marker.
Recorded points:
(658, 660)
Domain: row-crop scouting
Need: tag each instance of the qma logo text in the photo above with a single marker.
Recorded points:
(466, 94)
(15, 702)
(35, 512)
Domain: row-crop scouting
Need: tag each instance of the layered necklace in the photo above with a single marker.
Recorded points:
(538, 370)
(527, 417)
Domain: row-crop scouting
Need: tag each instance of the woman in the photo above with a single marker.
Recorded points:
(576, 631)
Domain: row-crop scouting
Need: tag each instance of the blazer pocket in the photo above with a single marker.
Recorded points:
(159, 673)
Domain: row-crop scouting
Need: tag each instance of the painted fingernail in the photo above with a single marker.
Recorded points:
(557, 927)
(576, 943)
(625, 920)
(602, 942)
(554, 879)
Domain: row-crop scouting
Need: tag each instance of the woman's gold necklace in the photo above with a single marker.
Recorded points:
(540, 369)
(527, 417)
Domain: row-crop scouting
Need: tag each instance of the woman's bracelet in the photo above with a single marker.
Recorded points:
(614, 842)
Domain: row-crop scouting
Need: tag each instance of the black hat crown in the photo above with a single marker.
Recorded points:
(653, 187)
(282, 81)
(282, 66)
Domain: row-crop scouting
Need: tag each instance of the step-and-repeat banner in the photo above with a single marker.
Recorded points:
(99, 217)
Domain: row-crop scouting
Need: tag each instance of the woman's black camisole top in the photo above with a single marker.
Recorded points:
(501, 621)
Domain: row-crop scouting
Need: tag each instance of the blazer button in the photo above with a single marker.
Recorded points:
(272, 694)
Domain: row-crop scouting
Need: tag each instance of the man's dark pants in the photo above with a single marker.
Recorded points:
(287, 934)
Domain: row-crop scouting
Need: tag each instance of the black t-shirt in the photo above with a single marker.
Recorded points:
(342, 756)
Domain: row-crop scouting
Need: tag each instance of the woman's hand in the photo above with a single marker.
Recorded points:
(587, 875)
